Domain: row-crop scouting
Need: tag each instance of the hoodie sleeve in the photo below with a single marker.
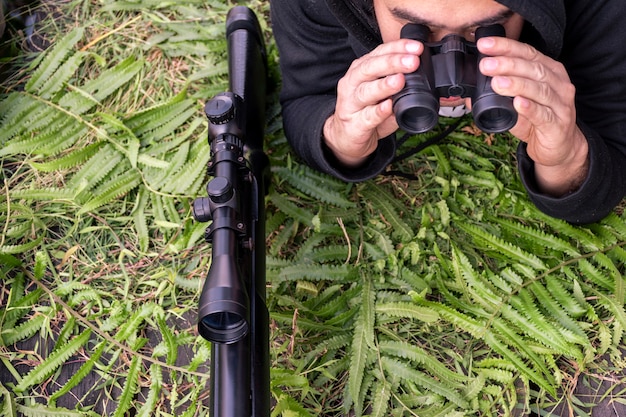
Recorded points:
(595, 58)
(315, 52)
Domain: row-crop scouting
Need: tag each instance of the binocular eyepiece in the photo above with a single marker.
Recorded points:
(449, 68)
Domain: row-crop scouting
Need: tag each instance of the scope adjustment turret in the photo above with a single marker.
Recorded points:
(220, 109)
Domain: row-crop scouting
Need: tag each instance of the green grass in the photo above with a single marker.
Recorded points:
(447, 295)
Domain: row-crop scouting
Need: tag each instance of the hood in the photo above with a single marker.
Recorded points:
(544, 29)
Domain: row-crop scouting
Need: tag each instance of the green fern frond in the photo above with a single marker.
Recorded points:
(21, 248)
(408, 311)
(170, 341)
(10, 336)
(53, 60)
(596, 275)
(156, 383)
(380, 400)
(523, 314)
(131, 325)
(507, 249)
(61, 77)
(554, 310)
(291, 209)
(116, 187)
(129, 390)
(81, 373)
(330, 253)
(423, 358)
(313, 185)
(565, 299)
(359, 358)
(382, 242)
(576, 234)
(94, 91)
(20, 111)
(95, 169)
(53, 362)
(166, 127)
(404, 371)
(331, 273)
(154, 117)
(538, 237)
(59, 133)
(182, 181)
(382, 202)
(71, 160)
(158, 177)
(617, 224)
(544, 379)
(44, 194)
(47, 411)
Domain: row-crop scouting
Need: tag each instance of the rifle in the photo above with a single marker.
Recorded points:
(232, 311)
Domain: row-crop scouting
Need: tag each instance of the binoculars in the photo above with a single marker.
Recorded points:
(449, 68)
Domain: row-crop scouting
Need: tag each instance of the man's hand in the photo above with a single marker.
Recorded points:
(364, 113)
(544, 100)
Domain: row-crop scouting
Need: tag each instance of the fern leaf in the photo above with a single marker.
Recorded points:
(70, 160)
(408, 311)
(156, 383)
(170, 341)
(10, 336)
(595, 275)
(381, 240)
(316, 272)
(421, 357)
(81, 373)
(291, 209)
(16, 109)
(20, 248)
(358, 357)
(554, 310)
(149, 119)
(406, 372)
(52, 362)
(129, 390)
(96, 168)
(169, 126)
(187, 175)
(158, 177)
(380, 402)
(44, 194)
(59, 133)
(561, 227)
(538, 237)
(53, 59)
(44, 411)
(382, 202)
(544, 380)
(312, 186)
(94, 91)
(139, 219)
(131, 325)
(330, 253)
(509, 250)
(113, 189)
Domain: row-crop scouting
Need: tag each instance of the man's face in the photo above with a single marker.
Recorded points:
(444, 17)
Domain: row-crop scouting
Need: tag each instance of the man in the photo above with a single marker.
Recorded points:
(563, 61)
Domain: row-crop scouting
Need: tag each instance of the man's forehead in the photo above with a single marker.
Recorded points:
(442, 17)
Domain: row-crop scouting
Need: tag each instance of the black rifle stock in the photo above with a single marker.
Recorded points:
(232, 312)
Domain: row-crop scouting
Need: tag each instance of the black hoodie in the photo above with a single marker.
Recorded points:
(319, 39)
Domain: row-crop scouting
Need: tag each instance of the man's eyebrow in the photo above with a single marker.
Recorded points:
(408, 15)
